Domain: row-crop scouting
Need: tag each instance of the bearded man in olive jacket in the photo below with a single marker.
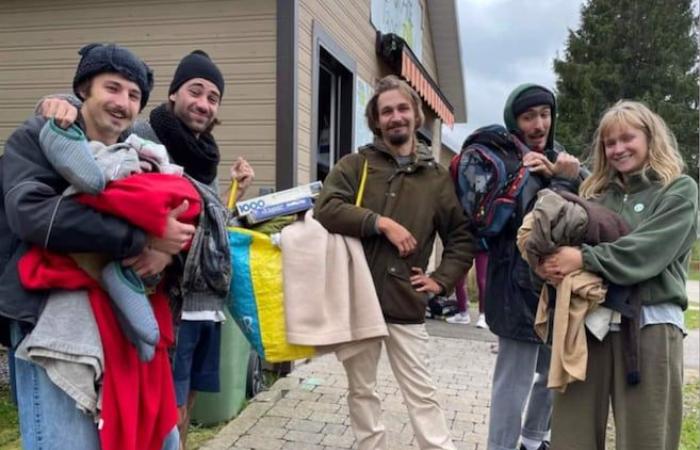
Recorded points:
(408, 198)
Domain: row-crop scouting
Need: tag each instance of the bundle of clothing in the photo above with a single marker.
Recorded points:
(125, 383)
(583, 300)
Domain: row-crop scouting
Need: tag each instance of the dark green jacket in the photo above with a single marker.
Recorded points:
(421, 197)
(655, 254)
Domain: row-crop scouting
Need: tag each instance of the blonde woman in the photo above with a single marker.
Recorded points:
(637, 172)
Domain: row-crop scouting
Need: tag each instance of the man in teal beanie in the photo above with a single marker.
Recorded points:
(529, 114)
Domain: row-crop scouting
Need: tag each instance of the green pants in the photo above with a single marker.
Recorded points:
(647, 416)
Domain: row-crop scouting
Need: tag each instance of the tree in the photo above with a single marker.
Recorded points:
(644, 50)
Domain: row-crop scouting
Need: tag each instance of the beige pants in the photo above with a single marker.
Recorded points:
(647, 416)
(407, 348)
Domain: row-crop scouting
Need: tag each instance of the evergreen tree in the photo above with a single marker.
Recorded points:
(645, 50)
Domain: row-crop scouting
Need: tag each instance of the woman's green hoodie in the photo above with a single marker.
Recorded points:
(655, 254)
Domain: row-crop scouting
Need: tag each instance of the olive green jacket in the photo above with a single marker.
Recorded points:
(419, 196)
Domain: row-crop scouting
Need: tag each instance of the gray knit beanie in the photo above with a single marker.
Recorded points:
(100, 58)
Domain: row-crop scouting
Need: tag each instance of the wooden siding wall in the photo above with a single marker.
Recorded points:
(348, 23)
(39, 40)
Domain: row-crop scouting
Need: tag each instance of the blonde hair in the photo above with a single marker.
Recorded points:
(390, 83)
(664, 161)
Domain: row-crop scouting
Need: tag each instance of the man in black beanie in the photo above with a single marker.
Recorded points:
(114, 85)
(196, 65)
(184, 126)
(522, 365)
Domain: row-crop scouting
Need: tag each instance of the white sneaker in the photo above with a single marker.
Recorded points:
(462, 318)
(481, 323)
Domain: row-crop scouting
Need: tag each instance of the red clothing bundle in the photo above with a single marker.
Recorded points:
(145, 200)
(138, 399)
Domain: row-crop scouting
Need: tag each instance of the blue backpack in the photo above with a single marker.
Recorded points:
(489, 176)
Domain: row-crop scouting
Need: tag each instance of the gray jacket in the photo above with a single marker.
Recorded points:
(66, 343)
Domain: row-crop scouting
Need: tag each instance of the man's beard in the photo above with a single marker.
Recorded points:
(198, 126)
(398, 139)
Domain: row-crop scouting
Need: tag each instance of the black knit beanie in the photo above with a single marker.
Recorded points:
(197, 65)
(100, 58)
(533, 96)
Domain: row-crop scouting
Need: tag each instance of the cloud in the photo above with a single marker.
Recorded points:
(506, 43)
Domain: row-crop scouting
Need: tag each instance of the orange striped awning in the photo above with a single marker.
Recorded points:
(413, 73)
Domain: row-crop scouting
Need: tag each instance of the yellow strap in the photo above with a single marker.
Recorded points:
(361, 191)
(233, 192)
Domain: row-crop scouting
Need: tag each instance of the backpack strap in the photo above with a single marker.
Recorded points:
(454, 167)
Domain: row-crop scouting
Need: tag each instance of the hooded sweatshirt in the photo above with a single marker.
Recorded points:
(511, 287)
(511, 121)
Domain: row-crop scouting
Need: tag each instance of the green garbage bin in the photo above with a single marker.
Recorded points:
(211, 408)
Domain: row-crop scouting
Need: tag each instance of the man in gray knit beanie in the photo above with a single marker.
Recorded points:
(184, 125)
(113, 83)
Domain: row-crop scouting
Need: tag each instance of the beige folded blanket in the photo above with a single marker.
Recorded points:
(328, 289)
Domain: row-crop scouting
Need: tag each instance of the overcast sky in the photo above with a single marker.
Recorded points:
(506, 43)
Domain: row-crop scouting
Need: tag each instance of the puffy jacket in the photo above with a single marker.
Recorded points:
(419, 196)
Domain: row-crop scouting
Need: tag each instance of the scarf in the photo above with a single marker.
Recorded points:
(199, 156)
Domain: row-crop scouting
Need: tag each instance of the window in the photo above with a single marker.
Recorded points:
(334, 117)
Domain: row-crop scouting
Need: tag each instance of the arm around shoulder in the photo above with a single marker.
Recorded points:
(63, 108)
